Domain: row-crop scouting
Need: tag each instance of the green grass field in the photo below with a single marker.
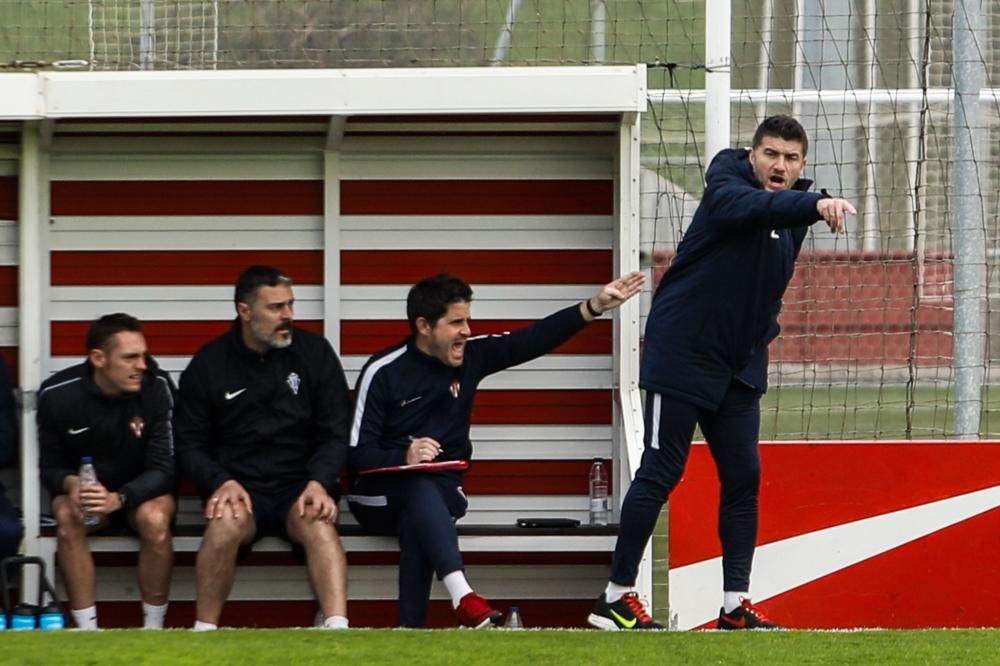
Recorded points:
(468, 648)
(852, 411)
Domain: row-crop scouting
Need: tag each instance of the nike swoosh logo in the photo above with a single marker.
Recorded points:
(739, 624)
(78, 431)
(783, 565)
(628, 624)
(230, 396)
(404, 403)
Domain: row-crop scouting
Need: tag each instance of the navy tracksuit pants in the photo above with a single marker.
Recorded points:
(10, 528)
(421, 510)
(732, 434)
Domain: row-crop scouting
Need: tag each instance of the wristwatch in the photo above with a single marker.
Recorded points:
(123, 499)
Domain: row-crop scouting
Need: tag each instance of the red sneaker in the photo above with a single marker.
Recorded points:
(474, 611)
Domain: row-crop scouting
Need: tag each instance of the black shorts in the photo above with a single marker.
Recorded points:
(119, 523)
(271, 509)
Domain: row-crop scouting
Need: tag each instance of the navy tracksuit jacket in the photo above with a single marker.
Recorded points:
(402, 394)
(716, 308)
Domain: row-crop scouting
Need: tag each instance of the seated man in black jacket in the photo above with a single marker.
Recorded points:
(10, 523)
(262, 427)
(414, 405)
(115, 408)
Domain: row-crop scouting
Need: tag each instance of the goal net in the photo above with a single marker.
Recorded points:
(153, 34)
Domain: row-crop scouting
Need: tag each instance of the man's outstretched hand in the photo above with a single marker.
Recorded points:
(613, 294)
(835, 211)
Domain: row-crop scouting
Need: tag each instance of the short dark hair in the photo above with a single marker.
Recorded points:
(431, 297)
(106, 327)
(783, 127)
(254, 278)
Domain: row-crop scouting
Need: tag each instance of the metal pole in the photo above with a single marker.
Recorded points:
(914, 23)
(871, 238)
(147, 34)
(967, 230)
(598, 26)
(503, 41)
(30, 225)
(718, 40)
(766, 58)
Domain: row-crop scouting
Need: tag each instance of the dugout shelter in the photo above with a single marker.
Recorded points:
(148, 192)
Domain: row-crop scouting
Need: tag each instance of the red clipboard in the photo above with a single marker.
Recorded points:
(443, 466)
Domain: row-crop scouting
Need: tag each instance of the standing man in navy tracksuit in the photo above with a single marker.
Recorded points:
(705, 357)
(414, 405)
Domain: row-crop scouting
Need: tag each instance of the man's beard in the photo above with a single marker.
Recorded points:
(271, 339)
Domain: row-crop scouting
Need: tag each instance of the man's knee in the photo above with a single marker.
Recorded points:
(228, 532)
(69, 527)
(312, 533)
(153, 519)
(740, 480)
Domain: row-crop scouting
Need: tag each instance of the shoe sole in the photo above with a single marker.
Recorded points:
(490, 621)
(601, 622)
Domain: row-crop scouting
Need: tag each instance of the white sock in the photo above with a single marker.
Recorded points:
(336, 622)
(732, 600)
(457, 586)
(613, 592)
(85, 618)
(152, 616)
(204, 626)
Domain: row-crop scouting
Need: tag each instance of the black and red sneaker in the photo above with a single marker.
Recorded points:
(474, 611)
(744, 616)
(626, 614)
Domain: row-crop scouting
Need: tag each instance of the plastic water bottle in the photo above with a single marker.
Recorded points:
(23, 617)
(50, 617)
(599, 504)
(514, 619)
(88, 477)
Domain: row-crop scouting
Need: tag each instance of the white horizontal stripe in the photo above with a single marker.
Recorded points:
(360, 153)
(511, 165)
(8, 316)
(165, 302)
(73, 154)
(489, 301)
(8, 243)
(8, 327)
(206, 166)
(196, 232)
(542, 376)
(548, 372)
(479, 232)
(190, 303)
(306, 232)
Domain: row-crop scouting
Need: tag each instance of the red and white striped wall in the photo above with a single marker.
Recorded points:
(859, 534)
(8, 246)
(157, 220)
